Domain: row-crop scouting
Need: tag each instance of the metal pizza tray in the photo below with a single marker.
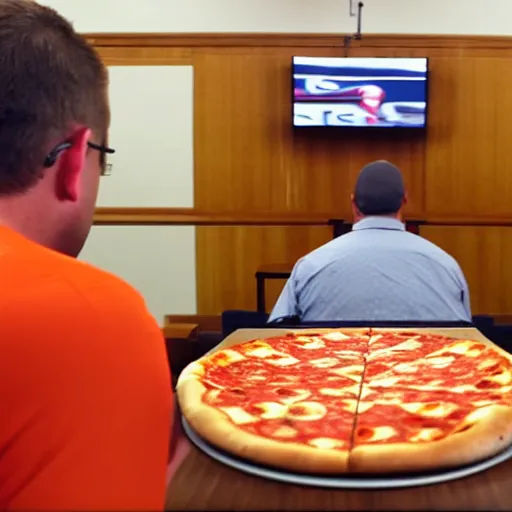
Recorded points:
(343, 481)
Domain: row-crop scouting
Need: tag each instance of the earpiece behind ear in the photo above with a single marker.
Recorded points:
(50, 160)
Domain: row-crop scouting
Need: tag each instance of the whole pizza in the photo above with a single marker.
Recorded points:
(353, 401)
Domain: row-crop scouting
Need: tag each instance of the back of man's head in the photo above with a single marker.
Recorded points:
(379, 189)
(50, 79)
(52, 83)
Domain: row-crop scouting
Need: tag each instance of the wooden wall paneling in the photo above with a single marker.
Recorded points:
(469, 158)
(249, 157)
(484, 253)
(227, 259)
(332, 163)
(242, 138)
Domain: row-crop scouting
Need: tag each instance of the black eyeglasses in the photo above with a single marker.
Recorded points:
(50, 160)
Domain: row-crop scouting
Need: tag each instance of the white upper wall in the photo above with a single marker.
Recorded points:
(484, 17)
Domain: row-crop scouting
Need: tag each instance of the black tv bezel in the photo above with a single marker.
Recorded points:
(367, 129)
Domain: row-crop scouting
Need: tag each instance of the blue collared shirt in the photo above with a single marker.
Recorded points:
(377, 272)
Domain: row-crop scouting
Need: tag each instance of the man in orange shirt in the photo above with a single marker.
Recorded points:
(85, 392)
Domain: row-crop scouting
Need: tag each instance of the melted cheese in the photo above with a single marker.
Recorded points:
(336, 336)
(502, 378)
(439, 385)
(364, 392)
(427, 434)
(263, 352)
(333, 391)
(238, 416)
(325, 362)
(463, 388)
(272, 410)
(256, 377)
(374, 339)
(409, 345)
(326, 443)
(483, 403)
(478, 415)
(440, 362)
(460, 347)
(405, 368)
(364, 406)
(488, 363)
(304, 339)
(226, 357)
(348, 354)
(430, 410)
(306, 411)
(285, 432)
(349, 390)
(386, 382)
(353, 406)
(357, 369)
(350, 405)
(283, 361)
(349, 372)
(381, 434)
(313, 344)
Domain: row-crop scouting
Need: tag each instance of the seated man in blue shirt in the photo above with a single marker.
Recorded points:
(379, 271)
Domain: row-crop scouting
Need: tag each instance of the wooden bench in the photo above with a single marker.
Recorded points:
(274, 271)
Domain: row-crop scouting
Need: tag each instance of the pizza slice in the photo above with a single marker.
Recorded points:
(403, 430)
(288, 402)
(461, 366)
(388, 348)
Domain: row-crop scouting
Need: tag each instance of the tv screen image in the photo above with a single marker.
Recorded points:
(360, 92)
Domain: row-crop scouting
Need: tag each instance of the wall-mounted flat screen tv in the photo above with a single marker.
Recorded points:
(365, 92)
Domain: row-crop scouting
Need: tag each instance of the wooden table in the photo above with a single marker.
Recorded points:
(200, 483)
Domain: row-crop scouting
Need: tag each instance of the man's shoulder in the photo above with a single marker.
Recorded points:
(323, 256)
(71, 300)
(332, 248)
(90, 279)
(50, 276)
(430, 248)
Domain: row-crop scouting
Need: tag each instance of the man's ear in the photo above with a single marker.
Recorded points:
(406, 199)
(71, 164)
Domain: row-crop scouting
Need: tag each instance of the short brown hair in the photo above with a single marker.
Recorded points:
(50, 80)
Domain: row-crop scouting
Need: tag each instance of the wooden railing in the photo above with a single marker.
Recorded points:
(195, 217)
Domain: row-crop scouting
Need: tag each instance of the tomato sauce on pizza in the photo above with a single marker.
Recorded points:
(353, 401)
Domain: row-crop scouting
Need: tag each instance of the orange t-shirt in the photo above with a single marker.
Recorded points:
(85, 391)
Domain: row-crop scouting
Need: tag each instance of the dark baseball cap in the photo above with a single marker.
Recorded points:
(379, 189)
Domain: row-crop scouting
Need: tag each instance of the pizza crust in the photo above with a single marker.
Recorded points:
(213, 426)
(483, 439)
